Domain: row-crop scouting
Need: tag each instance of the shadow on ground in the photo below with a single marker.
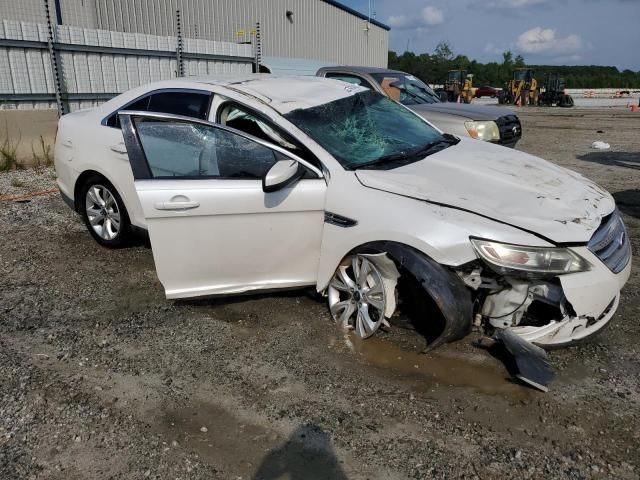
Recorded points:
(306, 455)
(251, 295)
(628, 202)
(609, 158)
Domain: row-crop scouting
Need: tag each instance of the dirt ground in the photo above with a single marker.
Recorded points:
(101, 377)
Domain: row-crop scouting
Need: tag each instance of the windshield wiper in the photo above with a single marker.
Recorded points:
(415, 96)
(432, 147)
(403, 158)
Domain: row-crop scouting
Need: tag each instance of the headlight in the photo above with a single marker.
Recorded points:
(487, 131)
(537, 260)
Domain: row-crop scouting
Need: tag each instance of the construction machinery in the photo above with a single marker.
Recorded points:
(552, 92)
(459, 86)
(521, 90)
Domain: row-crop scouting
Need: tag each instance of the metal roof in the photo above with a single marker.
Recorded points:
(364, 70)
(282, 92)
(292, 66)
(357, 14)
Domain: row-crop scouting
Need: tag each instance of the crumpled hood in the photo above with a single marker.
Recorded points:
(472, 112)
(502, 184)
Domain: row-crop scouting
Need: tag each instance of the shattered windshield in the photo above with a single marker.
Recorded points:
(406, 89)
(367, 130)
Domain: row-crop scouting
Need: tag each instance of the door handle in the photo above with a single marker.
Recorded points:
(119, 148)
(176, 205)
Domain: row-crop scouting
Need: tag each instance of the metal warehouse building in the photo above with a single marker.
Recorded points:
(310, 29)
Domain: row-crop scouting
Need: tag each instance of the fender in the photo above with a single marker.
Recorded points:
(446, 289)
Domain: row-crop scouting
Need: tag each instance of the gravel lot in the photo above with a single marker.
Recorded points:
(101, 377)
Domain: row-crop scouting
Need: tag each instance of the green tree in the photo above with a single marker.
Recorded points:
(507, 59)
(443, 52)
(433, 68)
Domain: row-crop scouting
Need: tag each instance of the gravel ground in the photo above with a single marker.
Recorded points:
(20, 182)
(101, 377)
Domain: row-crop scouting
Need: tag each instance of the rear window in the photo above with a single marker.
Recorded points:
(190, 104)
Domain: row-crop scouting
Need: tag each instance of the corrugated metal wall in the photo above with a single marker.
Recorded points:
(29, 71)
(318, 30)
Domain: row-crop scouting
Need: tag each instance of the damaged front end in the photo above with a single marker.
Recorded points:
(552, 297)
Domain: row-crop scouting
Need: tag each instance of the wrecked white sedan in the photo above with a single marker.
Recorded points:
(267, 182)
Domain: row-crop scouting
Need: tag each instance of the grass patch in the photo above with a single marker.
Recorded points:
(9, 152)
(42, 156)
(16, 183)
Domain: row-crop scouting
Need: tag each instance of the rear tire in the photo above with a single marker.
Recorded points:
(104, 213)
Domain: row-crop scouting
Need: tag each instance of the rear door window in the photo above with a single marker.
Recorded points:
(188, 103)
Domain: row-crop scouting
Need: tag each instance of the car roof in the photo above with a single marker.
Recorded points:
(284, 93)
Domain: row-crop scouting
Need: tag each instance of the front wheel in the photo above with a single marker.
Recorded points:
(104, 213)
(357, 297)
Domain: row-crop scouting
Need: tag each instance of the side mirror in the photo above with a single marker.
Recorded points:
(282, 174)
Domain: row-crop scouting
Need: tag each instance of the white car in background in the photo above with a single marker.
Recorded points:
(267, 182)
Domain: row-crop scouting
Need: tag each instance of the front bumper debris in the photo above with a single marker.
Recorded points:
(574, 306)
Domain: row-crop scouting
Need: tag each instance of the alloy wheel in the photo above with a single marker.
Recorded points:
(103, 212)
(357, 296)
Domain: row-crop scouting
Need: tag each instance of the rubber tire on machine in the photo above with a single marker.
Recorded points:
(566, 101)
(123, 238)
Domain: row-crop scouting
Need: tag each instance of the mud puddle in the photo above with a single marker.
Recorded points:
(432, 369)
(248, 450)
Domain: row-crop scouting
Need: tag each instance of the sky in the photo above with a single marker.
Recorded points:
(552, 32)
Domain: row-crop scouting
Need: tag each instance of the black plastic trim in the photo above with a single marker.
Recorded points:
(68, 200)
(208, 93)
(446, 289)
(339, 220)
(137, 159)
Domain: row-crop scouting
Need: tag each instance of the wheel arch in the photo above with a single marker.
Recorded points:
(447, 291)
(80, 181)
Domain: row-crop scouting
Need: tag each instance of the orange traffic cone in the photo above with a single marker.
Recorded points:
(634, 107)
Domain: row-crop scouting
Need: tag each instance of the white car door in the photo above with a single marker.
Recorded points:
(213, 229)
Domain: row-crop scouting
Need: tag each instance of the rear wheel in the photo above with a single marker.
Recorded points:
(104, 213)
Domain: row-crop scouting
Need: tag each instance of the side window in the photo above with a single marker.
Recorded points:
(350, 79)
(241, 118)
(189, 104)
(142, 105)
(388, 84)
(180, 149)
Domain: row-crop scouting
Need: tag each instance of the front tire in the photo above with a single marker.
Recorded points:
(357, 297)
(104, 213)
